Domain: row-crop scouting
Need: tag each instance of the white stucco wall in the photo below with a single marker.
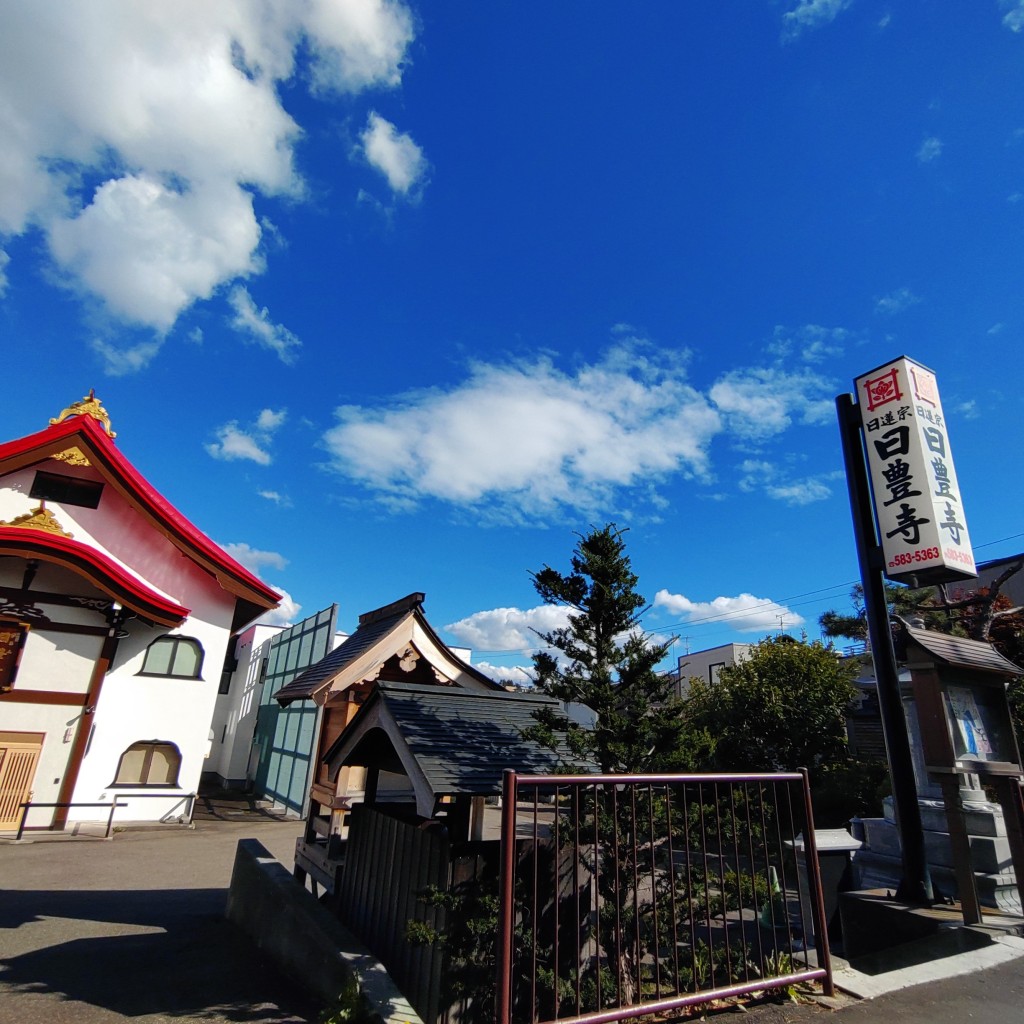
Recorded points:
(137, 708)
(57, 723)
(234, 717)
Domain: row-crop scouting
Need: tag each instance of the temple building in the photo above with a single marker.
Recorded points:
(116, 615)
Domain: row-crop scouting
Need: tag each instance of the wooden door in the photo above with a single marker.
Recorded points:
(19, 755)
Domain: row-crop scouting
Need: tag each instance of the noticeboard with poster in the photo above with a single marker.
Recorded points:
(917, 501)
(980, 726)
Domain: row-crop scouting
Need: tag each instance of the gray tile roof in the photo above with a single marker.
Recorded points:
(963, 653)
(460, 740)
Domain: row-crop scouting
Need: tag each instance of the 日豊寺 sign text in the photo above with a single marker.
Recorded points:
(918, 507)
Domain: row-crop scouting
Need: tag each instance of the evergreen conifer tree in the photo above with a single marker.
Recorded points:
(603, 660)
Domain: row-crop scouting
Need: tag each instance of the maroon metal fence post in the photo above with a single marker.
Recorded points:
(503, 1000)
(814, 880)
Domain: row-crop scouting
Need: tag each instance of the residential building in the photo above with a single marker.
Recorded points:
(707, 664)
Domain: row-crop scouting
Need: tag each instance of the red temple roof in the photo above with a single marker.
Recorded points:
(88, 433)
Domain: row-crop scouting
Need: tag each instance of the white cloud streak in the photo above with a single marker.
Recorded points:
(254, 559)
(138, 135)
(929, 150)
(1014, 18)
(745, 613)
(811, 14)
(896, 302)
(256, 325)
(759, 403)
(516, 675)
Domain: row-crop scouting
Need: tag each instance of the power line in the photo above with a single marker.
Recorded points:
(724, 617)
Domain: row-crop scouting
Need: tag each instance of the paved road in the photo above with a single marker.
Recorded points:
(992, 996)
(95, 932)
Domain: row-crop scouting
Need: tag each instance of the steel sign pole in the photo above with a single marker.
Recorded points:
(916, 886)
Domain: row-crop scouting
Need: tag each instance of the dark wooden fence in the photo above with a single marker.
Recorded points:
(388, 865)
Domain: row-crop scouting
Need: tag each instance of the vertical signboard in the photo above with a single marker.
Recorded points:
(917, 501)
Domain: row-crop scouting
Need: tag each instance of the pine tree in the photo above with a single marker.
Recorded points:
(606, 662)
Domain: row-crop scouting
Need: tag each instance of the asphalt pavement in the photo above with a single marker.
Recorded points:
(100, 931)
(133, 928)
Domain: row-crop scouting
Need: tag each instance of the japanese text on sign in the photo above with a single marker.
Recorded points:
(917, 500)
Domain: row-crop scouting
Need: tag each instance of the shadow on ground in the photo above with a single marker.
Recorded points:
(164, 952)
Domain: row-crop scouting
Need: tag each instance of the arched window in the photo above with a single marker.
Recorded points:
(179, 656)
(152, 763)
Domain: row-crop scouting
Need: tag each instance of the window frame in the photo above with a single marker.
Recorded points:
(150, 747)
(177, 641)
(66, 490)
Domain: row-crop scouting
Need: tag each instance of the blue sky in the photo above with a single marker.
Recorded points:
(391, 297)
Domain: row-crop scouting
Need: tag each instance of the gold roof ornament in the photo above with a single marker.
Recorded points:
(73, 456)
(40, 518)
(88, 406)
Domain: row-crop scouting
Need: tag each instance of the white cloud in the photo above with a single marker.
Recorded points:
(234, 443)
(394, 154)
(744, 613)
(149, 251)
(897, 301)
(766, 477)
(809, 14)
(120, 361)
(270, 419)
(253, 559)
(1014, 19)
(4, 260)
(285, 613)
(358, 43)
(812, 342)
(137, 136)
(277, 498)
(509, 629)
(257, 325)
(529, 438)
(517, 675)
(759, 403)
(525, 440)
(800, 492)
(930, 149)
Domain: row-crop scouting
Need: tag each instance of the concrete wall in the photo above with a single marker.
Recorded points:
(304, 939)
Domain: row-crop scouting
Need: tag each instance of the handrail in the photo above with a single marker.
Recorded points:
(24, 808)
(189, 798)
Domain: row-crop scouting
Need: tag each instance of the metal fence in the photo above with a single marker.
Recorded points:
(626, 895)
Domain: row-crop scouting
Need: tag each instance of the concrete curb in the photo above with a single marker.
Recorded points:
(1000, 950)
(307, 942)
